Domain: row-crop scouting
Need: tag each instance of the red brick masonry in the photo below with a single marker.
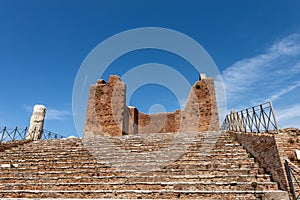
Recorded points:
(108, 114)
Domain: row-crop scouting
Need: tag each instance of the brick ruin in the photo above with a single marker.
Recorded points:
(108, 114)
(138, 166)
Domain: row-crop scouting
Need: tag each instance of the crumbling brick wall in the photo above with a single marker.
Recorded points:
(264, 148)
(160, 122)
(108, 114)
(106, 111)
(271, 150)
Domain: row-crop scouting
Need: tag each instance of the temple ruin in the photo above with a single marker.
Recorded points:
(108, 114)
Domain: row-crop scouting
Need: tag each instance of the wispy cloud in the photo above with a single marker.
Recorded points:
(289, 113)
(52, 114)
(284, 91)
(268, 75)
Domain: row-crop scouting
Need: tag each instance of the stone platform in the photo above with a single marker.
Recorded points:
(209, 165)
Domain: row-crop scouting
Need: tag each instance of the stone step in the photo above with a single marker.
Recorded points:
(96, 143)
(171, 165)
(147, 194)
(207, 167)
(131, 140)
(136, 178)
(127, 155)
(142, 185)
(90, 171)
(93, 161)
(185, 163)
(155, 147)
(95, 149)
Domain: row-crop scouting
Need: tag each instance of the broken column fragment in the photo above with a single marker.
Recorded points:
(36, 123)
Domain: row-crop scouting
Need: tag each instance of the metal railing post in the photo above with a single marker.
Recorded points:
(15, 132)
(290, 180)
(25, 133)
(3, 133)
(274, 118)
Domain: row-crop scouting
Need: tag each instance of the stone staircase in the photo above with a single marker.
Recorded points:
(206, 165)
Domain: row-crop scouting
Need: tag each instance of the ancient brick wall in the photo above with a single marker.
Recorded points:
(159, 123)
(267, 152)
(108, 114)
(201, 112)
(132, 120)
(288, 141)
(106, 111)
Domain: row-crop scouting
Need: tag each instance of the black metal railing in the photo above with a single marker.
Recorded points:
(9, 134)
(293, 175)
(48, 135)
(259, 118)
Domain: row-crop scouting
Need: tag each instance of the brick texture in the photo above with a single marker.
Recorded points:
(271, 150)
(107, 113)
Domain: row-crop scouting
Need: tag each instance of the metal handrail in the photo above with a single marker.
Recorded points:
(259, 118)
(293, 173)
(12, 134)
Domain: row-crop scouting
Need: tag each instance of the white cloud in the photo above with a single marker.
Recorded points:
(286, 46)
(51, 114)
(270, 66)
(269, 76)
(284, 91)
(242, 74)
(289, 113)
(54, 114)
(266, 72)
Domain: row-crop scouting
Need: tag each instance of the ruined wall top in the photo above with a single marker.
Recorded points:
(202, 76)
(107, 112)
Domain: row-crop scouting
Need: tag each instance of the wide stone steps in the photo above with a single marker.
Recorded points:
(108, 171)
(62, 178)
(149, 149)
(146, 194)
(196, 155)
(141, 185)
(69, 162)
(112, 150)
(137, 166)
(114, 164)
(92, 161)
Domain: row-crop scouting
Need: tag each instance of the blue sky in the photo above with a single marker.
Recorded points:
(255, 44)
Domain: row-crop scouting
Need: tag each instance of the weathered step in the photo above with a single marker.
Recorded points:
(136, 178)
(146, 194)
(94, 161)
(108, 171)
(207, 167)
(142, 185)
(152, 164)
(69, 151)
(129, 156)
